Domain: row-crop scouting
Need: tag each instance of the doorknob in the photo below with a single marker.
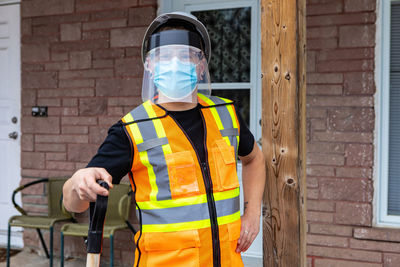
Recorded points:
(13, 135)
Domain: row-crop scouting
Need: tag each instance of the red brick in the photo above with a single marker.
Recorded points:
(41, 125)
(80, 60)
(330, 229)
(359, 5)
(118, 87)
(70, 102)
(56, 66)
(28, 67)
(324, 171)
(46, 7)
(50, 147)
(312, 193)
(32, 160)
(104, 24)
(50, 102)
(326, 43)
(126, 37)
(108, 120)
(70, 32)
(59, 92)
(109, 53)
(357, 36)
(339, 101)
(80, 45)
(56, 156)
(129, 67)
(63, 111)
(375, 245)
(391, 260)
(341, 263)
(351, 119)
(34, 52)
(351, 172)
(33, 199)
(36, 189)
(334, 7)
(342, 19)
(328, 89)
(42, 79)
(356, 83)
(35, 209)
(311, 182)
(92, 106)
(74, 130)
(56, 56)
(124, 101)
(92, 35)
(141, 16)
(43, 40)
(65, 138)
(97, 134)
(133, 52)
(60, 165)
(109, 14)
(353, 213)
(90, 73)
(82, 153)
(81, 120)
(318, 124)
(26, 26)
(74, 83)
(359, 190)
(311, 62)
(45, 30)
(325, 78)
(345, 65)
(326, 159)
(89, 5)
(322, 32)
(328, 241)
(316, 112)
(315, 216)
(27, 142)
(320, 147)
(318, 205)
(103, 64)
(347, 53)
(348, 137)
(115, 111)
(344, 253)
(381, 234)
(147, 2)
(58, 19)
(46, 173)
(359, 154)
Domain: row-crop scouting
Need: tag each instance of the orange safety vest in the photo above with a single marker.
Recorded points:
(189, 211)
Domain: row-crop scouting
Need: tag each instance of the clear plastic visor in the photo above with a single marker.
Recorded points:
(175, 73)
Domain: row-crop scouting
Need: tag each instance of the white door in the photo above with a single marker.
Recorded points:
(10, 95)
(235, 66)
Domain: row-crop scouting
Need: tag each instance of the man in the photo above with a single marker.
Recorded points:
(180, 150)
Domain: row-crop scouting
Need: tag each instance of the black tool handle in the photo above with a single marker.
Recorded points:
(98, 211)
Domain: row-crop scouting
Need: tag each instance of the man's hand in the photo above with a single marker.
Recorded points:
(249, 231)
(82, 188)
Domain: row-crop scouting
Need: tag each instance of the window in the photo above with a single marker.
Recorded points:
(388, 121)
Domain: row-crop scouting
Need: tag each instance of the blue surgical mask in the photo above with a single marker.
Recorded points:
(175, 79)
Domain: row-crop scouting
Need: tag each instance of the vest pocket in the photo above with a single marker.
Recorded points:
(225, 166)
(179, 249)
(182, 174)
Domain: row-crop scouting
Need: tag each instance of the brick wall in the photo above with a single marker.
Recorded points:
(340, 121)
(81, 59)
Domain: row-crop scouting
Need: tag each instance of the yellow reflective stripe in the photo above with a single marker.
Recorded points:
(172, 203)
(172, 227)
(234, 122)
(137, 136)
(157, 126)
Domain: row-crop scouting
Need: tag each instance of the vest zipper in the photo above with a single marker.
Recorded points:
(209, 192)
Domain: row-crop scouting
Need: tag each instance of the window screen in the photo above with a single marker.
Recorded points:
(394, 117)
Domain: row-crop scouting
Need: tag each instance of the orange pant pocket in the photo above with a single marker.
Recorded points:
(225, 165)
(182, 172)
(179, 249)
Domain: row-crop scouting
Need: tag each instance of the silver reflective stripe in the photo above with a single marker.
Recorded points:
(149, 144)
(189, 213)
(226, 120)
(155, 155)
(230, 132)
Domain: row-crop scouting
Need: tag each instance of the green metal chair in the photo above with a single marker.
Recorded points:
(117, 216)
(55, 214)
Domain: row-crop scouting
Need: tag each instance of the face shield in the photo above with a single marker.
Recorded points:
(175, 72)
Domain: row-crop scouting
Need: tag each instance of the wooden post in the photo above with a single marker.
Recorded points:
(283, 131)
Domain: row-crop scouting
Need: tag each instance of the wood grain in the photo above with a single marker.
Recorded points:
(283, 131)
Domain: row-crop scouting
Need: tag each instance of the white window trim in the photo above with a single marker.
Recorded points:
(382, 101)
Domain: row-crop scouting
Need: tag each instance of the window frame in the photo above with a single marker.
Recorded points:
(382, 114)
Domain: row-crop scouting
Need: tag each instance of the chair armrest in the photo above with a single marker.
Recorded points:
(18, 207)
(123, 207)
